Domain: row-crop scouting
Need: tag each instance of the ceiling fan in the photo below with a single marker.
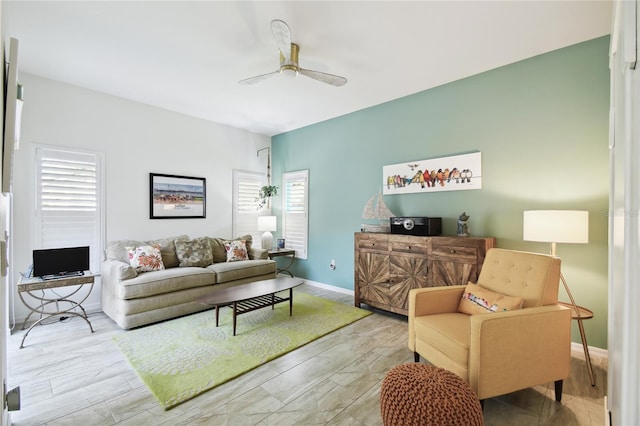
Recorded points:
(289, 59)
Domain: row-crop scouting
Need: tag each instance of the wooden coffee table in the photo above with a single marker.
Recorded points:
(248, 297)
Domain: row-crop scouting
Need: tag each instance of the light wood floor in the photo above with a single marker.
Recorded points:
(69, 376)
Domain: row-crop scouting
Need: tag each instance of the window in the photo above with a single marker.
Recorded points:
(295, 211)
(69, 201)
(246, 186)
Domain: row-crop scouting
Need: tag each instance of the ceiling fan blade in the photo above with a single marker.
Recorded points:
(258, 78)
(282, 35)
(334, 80)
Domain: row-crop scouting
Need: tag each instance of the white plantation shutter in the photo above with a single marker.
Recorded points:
(69, 201)
(246, 186)
(295, 211)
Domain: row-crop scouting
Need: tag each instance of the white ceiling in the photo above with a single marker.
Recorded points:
(189, 56)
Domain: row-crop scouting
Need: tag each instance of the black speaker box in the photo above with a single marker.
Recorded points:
(422, 226)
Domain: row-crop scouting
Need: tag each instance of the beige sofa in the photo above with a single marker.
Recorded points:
(133, 299)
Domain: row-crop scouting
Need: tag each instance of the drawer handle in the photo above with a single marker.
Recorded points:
(408, 247)
(452, 251)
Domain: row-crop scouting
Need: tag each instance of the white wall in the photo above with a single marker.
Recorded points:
(136, 139)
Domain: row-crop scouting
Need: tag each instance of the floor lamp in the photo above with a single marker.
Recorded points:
(562, 226)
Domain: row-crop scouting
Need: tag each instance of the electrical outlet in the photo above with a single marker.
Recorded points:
(332, 265)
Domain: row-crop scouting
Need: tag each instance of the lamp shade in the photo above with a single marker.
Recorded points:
(267, 223)
(556, 226)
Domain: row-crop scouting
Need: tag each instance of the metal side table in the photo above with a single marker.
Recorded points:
(33, 293)
(580, 315)
(287, 253)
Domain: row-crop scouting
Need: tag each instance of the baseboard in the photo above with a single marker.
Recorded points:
(91, 308)
(329, 287)
(593, 351)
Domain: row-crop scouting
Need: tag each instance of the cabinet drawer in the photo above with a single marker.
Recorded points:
(372, 243)
(455, 252)
(409, 248)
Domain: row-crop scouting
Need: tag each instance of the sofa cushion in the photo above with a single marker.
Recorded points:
(196, 252)
(478, 300)
(145, 258)
(165, 281)
(231, 271)
(117, 249)
(168, 250)
(236, 250)
(219, 251)
(248, 240)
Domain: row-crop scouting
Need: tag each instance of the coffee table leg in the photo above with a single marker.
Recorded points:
(290, 302)
(217, 314)
(234, 318)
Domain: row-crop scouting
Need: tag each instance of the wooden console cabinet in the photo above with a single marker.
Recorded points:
(387, 266)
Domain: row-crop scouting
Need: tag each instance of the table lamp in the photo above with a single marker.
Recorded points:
(267, 224)
(561, 226)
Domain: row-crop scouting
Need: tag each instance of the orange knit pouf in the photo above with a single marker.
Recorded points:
(420, 394)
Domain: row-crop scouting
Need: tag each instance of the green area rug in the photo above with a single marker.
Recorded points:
(184, 357)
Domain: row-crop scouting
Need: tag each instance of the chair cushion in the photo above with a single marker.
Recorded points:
(532, 276)
(478, 300)
(450, 333)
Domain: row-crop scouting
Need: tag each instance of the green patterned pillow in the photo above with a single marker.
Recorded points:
(196, 252)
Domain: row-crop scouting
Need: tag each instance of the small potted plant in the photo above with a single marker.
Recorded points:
(265, 193)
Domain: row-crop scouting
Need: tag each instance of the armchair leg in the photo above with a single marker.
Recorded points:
(558, 384)
(416, 357)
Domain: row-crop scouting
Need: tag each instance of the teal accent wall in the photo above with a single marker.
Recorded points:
(542, 127)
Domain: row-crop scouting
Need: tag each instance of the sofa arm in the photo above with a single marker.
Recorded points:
(258, 253)
(524, 348)
(118, 270)
(430, 301)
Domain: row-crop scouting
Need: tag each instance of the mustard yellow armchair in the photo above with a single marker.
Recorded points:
(502, 351)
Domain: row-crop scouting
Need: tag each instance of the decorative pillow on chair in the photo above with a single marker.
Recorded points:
(196, 252)
(478, 300)
(236, 250)
(145, 258)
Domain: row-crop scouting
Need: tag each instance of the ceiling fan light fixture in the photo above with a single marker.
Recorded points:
(289, 60)
(289, 71)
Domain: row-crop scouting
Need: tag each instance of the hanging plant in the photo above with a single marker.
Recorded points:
(265, 193)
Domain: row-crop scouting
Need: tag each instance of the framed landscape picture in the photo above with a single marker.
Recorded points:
(176, 197)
